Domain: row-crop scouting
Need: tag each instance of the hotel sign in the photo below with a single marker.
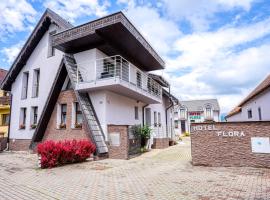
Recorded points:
(219, 133)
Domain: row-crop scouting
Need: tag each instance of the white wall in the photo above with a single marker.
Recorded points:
(262, 101)
(48, 69)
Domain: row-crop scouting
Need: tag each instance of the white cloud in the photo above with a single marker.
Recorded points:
(159, 31)
(15, 15)
(10, 53)
(72, 10)
(201, 13)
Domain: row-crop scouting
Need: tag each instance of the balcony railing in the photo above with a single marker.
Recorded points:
(116, 67)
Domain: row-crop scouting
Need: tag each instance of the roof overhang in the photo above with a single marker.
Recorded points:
(113, 34)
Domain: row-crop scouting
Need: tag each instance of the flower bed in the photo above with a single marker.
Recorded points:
(63, 152)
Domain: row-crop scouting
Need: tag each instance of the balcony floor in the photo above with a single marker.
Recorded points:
(120, 87)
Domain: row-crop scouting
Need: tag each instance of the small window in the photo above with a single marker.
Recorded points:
(63, 114)
(249, 114)
(36, 77)
(5, 119)
(176, 124)
(155, 118)
(34, 116)
(159, 119)
(25, 85)
(208, 112)
(136, 109)
(260, 113)
(22, 118)
(183, 113)
(78, 111)
(51, 49)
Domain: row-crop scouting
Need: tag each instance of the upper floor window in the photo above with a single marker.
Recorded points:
(25, 84)
(36, 77)
(78, 113)
(5, 119)
(22, 118)
(182, 113)
(249, 112)
(139, 79)
(208, 112)
(136, 111)
(51, 49)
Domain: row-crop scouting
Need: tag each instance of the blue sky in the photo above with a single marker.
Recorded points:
(212, 48)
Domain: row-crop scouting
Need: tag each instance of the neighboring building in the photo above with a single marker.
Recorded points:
(88, 82)
(4, 108)
(255, 107)
(195, 111)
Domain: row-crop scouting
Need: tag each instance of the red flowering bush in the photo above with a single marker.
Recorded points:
(63, 152)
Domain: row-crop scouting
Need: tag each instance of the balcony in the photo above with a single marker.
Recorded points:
(120, 76)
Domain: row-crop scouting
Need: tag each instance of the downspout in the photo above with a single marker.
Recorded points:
(143, 113)
(7, 148)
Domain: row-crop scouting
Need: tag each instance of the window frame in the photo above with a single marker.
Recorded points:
(63, 119)
(51, 49)
(25, 81)
(260, 113)
(155, 119)
(249, 113)
(78, 111)
(23, 116)
(136, 112)
(4, 119)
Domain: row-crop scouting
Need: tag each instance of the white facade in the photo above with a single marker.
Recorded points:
(48, 67)
(259, 106)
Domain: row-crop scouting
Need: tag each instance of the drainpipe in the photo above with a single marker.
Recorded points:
(7, 148)
(143, 113)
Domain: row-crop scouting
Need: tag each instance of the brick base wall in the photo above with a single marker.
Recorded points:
(3, 143)
(121, 151)
(210, 146)
(160, 143)
(53, 132)
(19, 145)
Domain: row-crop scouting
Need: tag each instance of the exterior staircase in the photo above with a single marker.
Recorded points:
(88, 110)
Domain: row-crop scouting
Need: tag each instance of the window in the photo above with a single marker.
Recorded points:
(34, 117)
(249, 114)
(51, 50)
(78, 112)
(176, 124)
(25, 85)
(22, 118)
(208, 112)
(35, 89)
(139, 79)
(63, 114)
(5, 119)
(182, 113)
(159, 119)
(136, 109)
(260, 113)
(155, 119)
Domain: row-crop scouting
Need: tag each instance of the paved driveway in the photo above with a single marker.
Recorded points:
(159, 174)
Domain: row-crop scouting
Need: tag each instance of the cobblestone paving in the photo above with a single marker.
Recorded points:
(159, 174)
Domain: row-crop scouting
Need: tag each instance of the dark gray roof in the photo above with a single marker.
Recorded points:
(198, 105)
(42, 26)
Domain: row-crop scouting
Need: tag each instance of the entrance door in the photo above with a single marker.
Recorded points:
(183, 126)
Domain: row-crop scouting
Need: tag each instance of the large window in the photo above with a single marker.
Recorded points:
(78, 113)
(36, 77)
(208, 112)
(5, 119)
(182, 113)
(63, 115)
(249, 112)
(25, 85)
(22, 118)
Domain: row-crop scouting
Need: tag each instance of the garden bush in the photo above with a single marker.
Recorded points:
(63, 152)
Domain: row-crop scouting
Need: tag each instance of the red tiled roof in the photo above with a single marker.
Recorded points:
(259, 89)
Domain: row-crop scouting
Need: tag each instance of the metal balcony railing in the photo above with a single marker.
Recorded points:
(116, 67)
